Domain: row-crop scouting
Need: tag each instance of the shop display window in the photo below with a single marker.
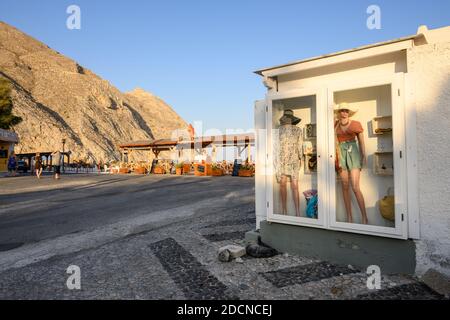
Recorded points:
(335, 157)
(365, 189)
(295, 191)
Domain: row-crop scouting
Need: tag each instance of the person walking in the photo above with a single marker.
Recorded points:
(12, 165)
(38, 165)
(56, 164)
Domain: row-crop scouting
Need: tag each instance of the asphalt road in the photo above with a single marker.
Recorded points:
(32, 210)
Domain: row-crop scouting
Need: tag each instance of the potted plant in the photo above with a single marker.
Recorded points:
(179, 169)
(246, 170)
(199, 169)
(140, 170)
(123, 169)
(159, 169)
(217, 170)
(186, 167)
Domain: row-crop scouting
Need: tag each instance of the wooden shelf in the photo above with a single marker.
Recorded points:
(385, 172)
(383, 158)
(382, 133)
(382, 122)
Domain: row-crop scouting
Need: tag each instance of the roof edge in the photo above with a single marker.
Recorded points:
(373, 45)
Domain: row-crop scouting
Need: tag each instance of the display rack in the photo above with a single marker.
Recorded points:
(310, 135)
(384, 156)
(382, 125)
(310, 157)
(310, 131)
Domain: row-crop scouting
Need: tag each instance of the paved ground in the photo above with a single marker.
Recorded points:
(155, 237)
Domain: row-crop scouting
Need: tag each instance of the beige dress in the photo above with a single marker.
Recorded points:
(288, 141)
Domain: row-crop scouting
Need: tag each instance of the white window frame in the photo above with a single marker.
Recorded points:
(400, 172)
(325, 135)
(260, 161)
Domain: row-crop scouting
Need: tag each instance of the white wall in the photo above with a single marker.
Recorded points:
(429, 69)
(382, 65)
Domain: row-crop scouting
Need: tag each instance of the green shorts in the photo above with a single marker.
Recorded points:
(349, 158)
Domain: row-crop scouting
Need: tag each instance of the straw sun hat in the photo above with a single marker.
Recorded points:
(345, 106)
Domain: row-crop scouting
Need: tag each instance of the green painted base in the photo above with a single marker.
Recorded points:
(391, 255)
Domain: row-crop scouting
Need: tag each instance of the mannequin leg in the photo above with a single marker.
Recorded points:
(295, 196)
(346, 194)
(355, 174)
(283, 193)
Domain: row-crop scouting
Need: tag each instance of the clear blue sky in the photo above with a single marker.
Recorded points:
(199, 56)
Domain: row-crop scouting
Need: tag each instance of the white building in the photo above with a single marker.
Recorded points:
(401, 86)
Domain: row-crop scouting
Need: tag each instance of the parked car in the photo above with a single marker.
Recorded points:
(22, 166)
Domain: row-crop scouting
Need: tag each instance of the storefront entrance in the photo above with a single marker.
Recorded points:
(7, 141)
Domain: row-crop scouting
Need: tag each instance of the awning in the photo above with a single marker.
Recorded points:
(8, 136)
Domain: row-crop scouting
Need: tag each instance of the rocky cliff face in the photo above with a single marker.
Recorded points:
(57, 98)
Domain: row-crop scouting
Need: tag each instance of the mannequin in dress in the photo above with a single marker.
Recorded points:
(288, 158)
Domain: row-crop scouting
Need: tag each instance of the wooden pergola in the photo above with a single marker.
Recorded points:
(241, 141)
(155, 146)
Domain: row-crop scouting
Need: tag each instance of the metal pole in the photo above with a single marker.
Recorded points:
(63, 143)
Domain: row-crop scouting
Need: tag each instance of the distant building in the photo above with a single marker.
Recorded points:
(7, 141)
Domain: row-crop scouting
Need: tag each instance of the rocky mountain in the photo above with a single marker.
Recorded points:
(57, 98)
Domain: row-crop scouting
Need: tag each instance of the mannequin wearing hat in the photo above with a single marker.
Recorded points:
(288, 151)
(351, 157)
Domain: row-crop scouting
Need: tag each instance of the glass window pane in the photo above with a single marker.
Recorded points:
(295, 157)
(364, 156)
